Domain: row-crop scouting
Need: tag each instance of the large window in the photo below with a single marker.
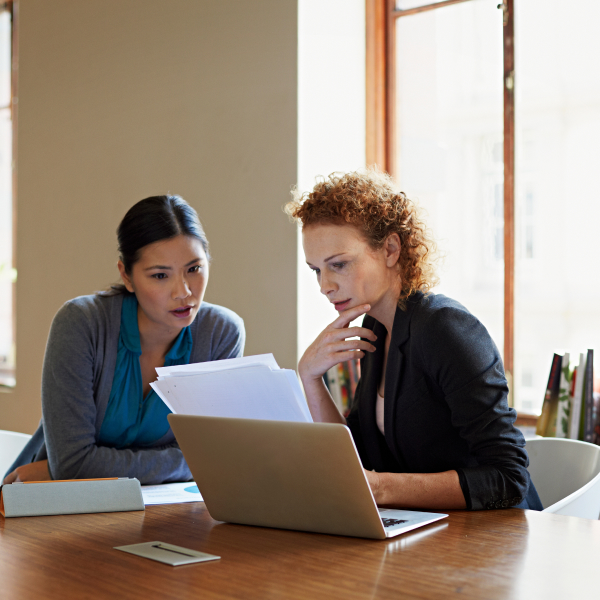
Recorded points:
(7, 267)
(489, 117)
(449, 145)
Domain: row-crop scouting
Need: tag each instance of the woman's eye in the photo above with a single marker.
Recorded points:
(159, 275)
(339, 265)
(317, 272)
(194, 269)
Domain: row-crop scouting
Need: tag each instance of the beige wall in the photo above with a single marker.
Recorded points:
(122, 99)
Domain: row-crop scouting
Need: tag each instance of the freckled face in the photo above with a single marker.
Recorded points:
(169, 281)
(348, 270)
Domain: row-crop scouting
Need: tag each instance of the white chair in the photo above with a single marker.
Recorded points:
(11, 444)
(566, 475)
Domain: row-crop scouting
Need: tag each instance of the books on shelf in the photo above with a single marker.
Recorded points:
(546, 425)
(588, 394)
(563, 405)
(576, 398)
(341, 380)
(596, 434)
(571, 409)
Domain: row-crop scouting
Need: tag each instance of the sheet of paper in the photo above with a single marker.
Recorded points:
(171, 493)
(249, 393)
(298, 393)
(162, 396)
(219, 365)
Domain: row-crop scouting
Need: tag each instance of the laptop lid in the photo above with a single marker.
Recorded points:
(289, 475)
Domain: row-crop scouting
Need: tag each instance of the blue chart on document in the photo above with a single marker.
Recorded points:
(171, 493)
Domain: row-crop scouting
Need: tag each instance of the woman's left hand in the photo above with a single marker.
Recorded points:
(35, 471)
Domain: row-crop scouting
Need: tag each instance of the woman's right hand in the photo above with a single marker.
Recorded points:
(332, 345)
(35, 471)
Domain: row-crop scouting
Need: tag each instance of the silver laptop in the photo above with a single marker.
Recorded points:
(302, 476)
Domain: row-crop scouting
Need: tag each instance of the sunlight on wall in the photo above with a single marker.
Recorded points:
(331, 121)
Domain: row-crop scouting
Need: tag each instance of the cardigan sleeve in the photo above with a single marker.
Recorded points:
(458, 354)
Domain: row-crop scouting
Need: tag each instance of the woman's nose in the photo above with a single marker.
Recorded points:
(327, 284)
(181, 290)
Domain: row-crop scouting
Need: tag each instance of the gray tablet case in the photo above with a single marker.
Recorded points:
(71, 497)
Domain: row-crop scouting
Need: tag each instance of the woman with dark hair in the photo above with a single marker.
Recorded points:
(101, 418)
(430, 417)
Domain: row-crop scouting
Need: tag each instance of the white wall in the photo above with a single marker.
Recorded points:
(331, 121)
(122, 99)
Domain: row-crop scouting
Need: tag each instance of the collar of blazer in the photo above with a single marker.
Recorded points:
(372, 366)
(400, 333)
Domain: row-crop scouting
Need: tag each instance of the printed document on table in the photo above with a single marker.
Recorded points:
(171, 493)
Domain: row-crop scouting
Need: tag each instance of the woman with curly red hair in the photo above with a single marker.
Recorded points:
(430, 418)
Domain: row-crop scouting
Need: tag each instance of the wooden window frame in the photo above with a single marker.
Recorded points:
(14, 107)
(12, 6)
(381, 18)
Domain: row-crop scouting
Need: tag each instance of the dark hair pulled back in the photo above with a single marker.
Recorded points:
(151, 220)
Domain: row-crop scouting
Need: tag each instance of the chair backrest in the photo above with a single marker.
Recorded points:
(566, 474)
(11, 444)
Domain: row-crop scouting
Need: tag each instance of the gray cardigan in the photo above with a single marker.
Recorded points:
(77, 377)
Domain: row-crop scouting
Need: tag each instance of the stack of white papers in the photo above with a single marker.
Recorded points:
(252, 387)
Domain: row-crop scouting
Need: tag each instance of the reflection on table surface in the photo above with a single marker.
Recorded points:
(488, 554)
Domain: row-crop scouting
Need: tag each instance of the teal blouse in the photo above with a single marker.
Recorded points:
(132, 420)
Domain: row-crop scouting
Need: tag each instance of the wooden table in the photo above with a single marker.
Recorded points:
(488, 554)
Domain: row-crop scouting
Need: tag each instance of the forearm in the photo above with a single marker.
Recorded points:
(417, 490)
(150, 466)
(320, 403)
(73, 452)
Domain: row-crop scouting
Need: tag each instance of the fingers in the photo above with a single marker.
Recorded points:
(11, 477)
(353, 345)
(361, 332)
(35, 471)
(328, 350)
(350, 314)
(337, 343)
(348, 355)
(350, 332)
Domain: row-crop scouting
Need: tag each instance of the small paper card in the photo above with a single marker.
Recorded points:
(167, 553)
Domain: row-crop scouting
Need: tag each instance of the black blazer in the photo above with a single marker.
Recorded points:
(445, 405)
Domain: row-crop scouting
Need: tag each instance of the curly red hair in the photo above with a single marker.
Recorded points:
(371, 201)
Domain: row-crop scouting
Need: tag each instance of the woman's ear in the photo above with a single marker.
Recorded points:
(391, 248)
(126, 279)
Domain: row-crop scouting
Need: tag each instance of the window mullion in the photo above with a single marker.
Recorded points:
(509, 192)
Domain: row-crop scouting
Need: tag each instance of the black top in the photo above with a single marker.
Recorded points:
(445, 405)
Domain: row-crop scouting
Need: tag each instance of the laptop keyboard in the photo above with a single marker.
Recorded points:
(392, 522)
